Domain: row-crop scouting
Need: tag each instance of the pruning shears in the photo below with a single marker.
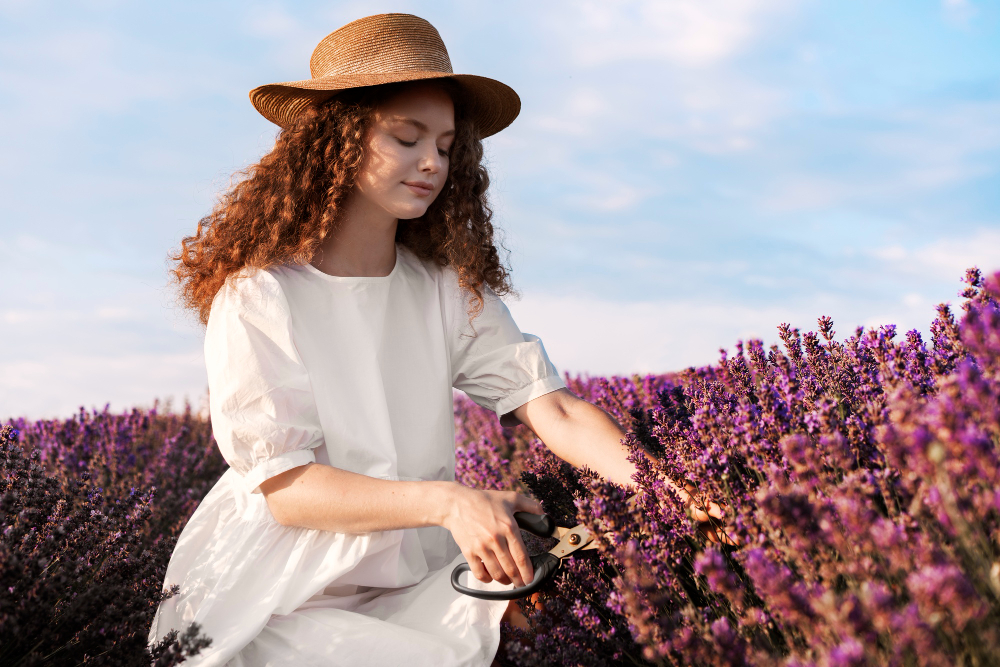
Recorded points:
(545, 564)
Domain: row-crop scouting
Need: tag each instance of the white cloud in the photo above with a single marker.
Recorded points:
(77, 337)
(602, 193)
(113, 313)
(292, 31)
(580, 109)
(584, 334)
(16, 317)
(958, 11)
(687, 33)
(61, 383)
(670, 70)
(291, 42)
(18, 7)
(939, 138)
(79, 66)
(69, 72)
(945, 259)
(902, 155)
(603, 83)
(271, 22)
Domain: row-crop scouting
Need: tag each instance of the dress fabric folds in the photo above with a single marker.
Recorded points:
(357, 373)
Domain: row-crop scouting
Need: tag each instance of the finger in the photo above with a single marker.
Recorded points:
(715, 532)
(706, 511)
(699, 514)
(725, 537)
(494, 568)
(506, 561)
(712, 532)
(526, 504)
(722, 537)
(477, 569)
(522, 561)
(507, 546)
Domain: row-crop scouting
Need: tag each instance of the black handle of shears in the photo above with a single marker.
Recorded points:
(545, 565)
(539, 524)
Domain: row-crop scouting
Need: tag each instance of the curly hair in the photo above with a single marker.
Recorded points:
(285, 205)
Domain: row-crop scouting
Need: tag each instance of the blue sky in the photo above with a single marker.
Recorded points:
(684, 173)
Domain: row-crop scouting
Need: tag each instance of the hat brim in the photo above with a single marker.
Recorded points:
(493, 105)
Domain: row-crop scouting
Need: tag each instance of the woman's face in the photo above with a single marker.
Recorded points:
(408, 145)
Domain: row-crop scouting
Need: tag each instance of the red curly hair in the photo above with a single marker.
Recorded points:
(285, 205)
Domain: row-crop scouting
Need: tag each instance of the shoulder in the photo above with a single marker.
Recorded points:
(252, 293)
(445, 276)
(440, 278)
(468, 314)
(250, 282)
(250, 329)
(418, 268)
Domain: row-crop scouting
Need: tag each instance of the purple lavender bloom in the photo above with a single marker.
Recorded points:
(858, 477)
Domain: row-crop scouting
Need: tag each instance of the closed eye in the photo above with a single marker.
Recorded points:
(443, 152)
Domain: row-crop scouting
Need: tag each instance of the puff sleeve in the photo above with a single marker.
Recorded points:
(499, 367)
(264, 416)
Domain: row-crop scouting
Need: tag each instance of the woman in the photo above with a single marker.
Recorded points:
(348, 283)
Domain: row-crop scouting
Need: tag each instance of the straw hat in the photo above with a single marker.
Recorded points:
(385, 48)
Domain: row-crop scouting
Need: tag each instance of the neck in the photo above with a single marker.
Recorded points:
(361, 244)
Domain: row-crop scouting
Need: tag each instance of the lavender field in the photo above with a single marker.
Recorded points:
(860, 479)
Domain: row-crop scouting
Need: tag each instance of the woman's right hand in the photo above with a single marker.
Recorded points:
(482, 523)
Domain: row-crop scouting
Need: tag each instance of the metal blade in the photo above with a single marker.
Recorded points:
(572, 540)
(584, 541)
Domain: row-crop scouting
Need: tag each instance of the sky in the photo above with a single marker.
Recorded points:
(684, 173)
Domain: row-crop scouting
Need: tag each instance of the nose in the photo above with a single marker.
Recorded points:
(431, 162)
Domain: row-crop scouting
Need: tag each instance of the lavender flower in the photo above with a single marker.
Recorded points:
(860, 477)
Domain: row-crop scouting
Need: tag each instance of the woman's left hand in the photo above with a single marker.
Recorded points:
(585, 435)
(707, 513)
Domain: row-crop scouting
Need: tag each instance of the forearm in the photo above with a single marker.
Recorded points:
(579, 433)
(327, 498)
(584, 435)
(481, 522)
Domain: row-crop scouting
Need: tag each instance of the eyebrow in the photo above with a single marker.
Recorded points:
(417, 124)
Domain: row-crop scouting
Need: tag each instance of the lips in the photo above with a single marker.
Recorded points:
(420, 188)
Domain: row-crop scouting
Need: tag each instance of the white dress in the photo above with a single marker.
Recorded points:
(357, 373)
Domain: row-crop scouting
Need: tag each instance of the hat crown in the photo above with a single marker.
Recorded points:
(381, 44)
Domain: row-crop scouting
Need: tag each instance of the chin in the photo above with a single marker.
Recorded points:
(410, 212)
